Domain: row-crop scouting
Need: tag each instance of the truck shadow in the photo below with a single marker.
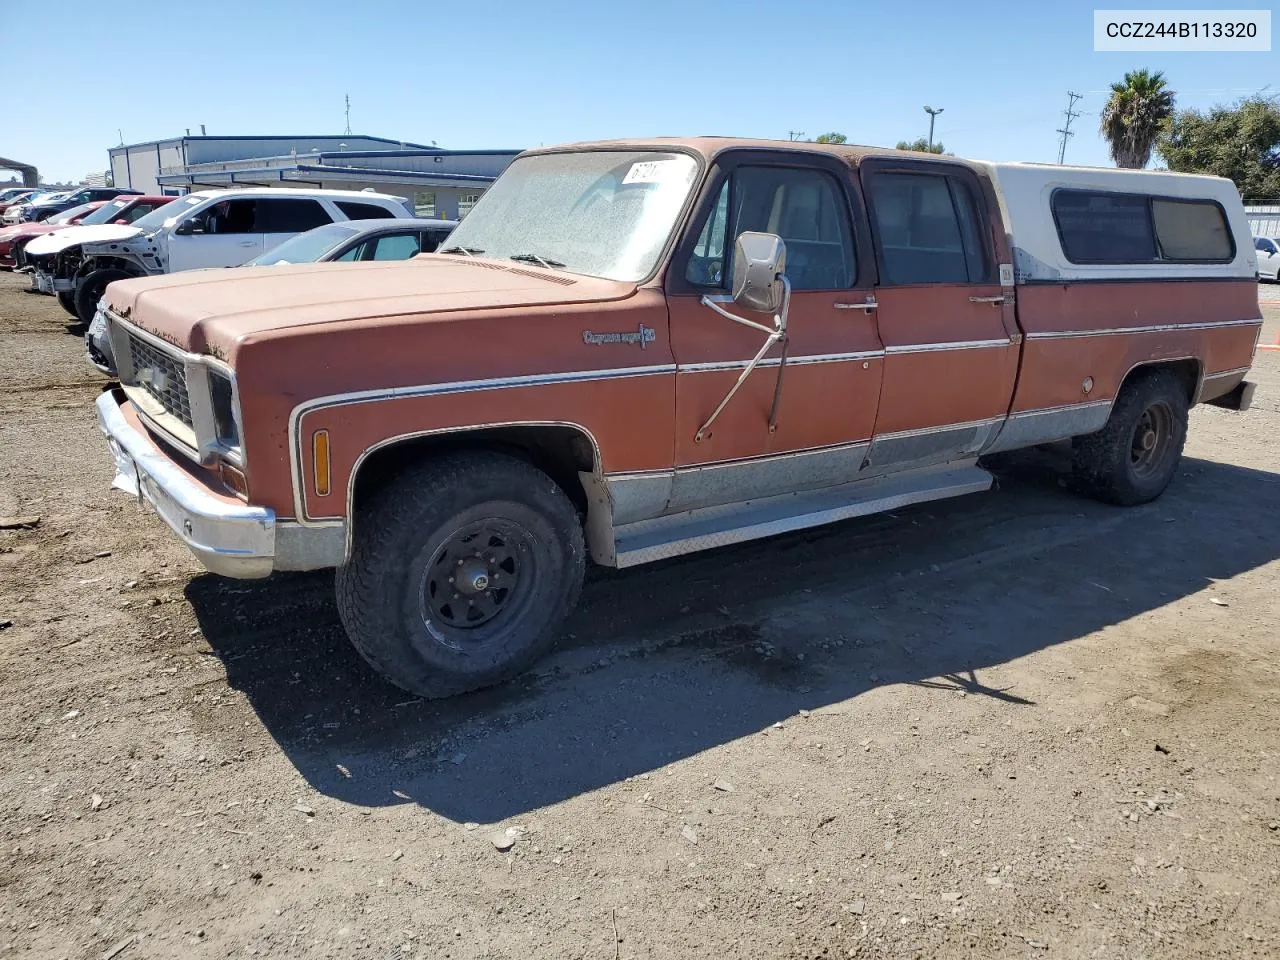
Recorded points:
(666, 661)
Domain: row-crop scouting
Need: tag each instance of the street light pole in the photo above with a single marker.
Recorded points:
(933, 114)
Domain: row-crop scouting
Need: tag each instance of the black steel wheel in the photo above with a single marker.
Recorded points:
(1133, 458)
(461, 572)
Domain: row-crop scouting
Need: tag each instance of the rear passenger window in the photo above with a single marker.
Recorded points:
(292, 215)
(928, 229)
(397, 247)
(1119, 228)
(1191, 231)
(364, 211)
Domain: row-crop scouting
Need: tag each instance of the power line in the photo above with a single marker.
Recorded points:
(1065, 129)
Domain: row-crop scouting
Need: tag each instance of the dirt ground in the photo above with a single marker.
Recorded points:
(1015, 724)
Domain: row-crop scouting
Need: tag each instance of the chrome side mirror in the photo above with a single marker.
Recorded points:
(759, 264)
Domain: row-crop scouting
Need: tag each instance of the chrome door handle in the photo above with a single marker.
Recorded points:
(986, 299)
(869, 304)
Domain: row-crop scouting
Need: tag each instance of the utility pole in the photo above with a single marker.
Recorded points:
(794, 134)
(1065, 129)
(933, 115)
(347, 132)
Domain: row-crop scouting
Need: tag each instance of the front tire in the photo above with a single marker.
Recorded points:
(90, 290)
(1133, 458)
(68, 302)
(462, 570)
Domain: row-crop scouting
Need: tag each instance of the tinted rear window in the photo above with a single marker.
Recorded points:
(364, 211)
(289, 215)
(1119, 228)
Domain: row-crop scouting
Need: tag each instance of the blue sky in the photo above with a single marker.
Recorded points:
(516, 74)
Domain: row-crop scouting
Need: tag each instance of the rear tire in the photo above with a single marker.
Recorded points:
(68, 301)
(90, 290)
(462, 570)
(1133, 458)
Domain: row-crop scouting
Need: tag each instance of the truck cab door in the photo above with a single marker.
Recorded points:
(800, 425)
(945, 312)
(225, 234)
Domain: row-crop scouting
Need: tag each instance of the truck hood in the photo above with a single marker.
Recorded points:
(59, 240)
(212, 311)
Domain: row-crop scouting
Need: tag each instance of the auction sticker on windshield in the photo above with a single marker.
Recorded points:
(655, 171)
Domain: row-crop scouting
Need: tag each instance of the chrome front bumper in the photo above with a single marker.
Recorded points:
(231, 539)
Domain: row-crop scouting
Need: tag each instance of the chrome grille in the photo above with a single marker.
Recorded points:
(163, 377)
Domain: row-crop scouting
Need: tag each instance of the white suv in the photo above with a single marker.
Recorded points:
(212, 228)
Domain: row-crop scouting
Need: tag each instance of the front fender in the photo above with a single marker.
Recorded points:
(140, 254)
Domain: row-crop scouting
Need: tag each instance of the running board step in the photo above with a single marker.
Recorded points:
(710, 527)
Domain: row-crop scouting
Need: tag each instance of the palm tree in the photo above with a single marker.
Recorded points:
(1135, 114)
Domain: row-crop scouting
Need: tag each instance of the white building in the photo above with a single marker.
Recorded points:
(1264, 218)
(441, 183)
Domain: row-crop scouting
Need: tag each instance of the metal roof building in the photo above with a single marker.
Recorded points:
(441, 183)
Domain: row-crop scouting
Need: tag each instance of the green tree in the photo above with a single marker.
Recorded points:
(1240, 142)
(833, 138)
(920, 145)
(1135, 114)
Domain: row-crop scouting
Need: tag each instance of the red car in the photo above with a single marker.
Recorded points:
(122, 210)
(20, 233)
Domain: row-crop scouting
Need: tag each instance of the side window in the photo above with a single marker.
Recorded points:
(1259, 244)
(355, 253)
(706, 263)
(136, 211)
(1194, 231)
(424, 203)
(290, 215)
(465, 202)
(1120, 228)
(364, 211)
(804, 207)
(400, 246)
(431, 240)
(928, 229)
(229, 216)
(1104, 227)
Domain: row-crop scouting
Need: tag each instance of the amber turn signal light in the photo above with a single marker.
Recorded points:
(234, 479)
(320, 461)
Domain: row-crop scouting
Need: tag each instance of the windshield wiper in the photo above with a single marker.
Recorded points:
(534, 258)
(469, 251)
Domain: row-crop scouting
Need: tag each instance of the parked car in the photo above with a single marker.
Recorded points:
(349, 241)
(17, 236)
(46, 207)
(610, 358)
(1268, 258)
(18, 212)
(214, 228)
(14, 204)
(9, 194)
(121, 211)
(359, 240)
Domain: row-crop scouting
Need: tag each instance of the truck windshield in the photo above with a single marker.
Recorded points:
(602, 213)
(307, 247)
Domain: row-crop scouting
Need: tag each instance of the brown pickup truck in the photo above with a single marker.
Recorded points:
(634, 350)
